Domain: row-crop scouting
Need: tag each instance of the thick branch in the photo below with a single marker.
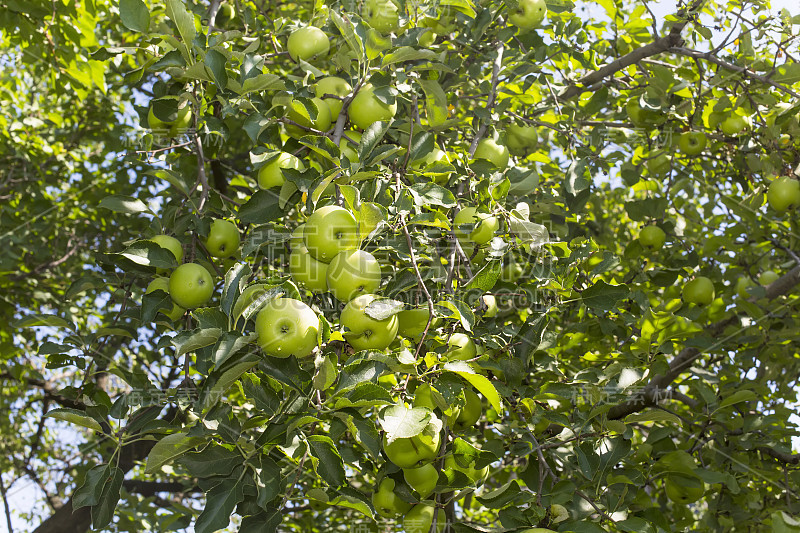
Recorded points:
(683, 361)
(660, 45)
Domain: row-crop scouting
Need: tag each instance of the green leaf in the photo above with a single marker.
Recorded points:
(176, 11)
(124, 204)
(330, 466)
(737, 397)
(435, 102)
(220, 503)
(169, 448)
(371, 138)
(652, 415)
(215, 61)
(230, 344)
(399, 421)
(383, 308)
(73, 416)
(481, 383)
(149, 253)
(428, 193)
(604, 297)
(103, 512)
(348, 31)
(529, 232)
(234, 278)
(134, 15)
(214, 460)
(788, 73)
(407, 53)
(261, 208)
(189, 341)
(213, 394)
(89, 493)
(576, 178)
(486, 277)
(262, 82)
(52, 321)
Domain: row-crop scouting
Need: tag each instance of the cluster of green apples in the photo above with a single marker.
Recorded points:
(191, 285)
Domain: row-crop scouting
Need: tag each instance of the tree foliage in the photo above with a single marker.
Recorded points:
(606, 397)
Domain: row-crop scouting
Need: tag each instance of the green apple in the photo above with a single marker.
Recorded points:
(529, 14)
(348, 149)
(422, 479)
(287, 327)
(297, 112)
(190, 285)
(366, 108)
(684, 489)
(173, 128)
(434, 156)
(660, 165)
(170, 243)
(413, 452)
(468, 414)
(307, 270)
(223, 239)
(652, 237)
(364, 332)
(386, 502)
(692, 142)
(352, 273)
(477, 475)
(767, 277)
(558, 513)
(491, 305)
(420, 519)
(383, 15)
(492, 151)
(649, 115)
(733, 125)
(225, 14)
(511, 271)
(330, 230)
(412, 322)
(423, 396)
(485, 225)
(334, 86)
(699, 291)
(742, 284)
(460, 347)
(296, 238)
(308, 43)
(271, 174)
(521, 140)
(783, 193)
(162, 284)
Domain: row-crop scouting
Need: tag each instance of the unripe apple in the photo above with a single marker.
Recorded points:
(297, 112)
(492, 151)
(223, 239)
(296, 238)
(529, 14)
(162, 284)
(521, 140)
(366, 108)
(491, 305)
(330, 230)
(334, 86)
(348, 149)
(386, 502)
(308, 271)
(412, 322)
(422, 479)
(468, 414)
(783, 193)
(742, 284)
(287, 327)
(383, 15)
(420, 519)
(190, 285)
(308, 43)
(692, 142)
(364, 332)
(733, 125)
(271, 174)
(652, 237)
(460, 347)
(172, 244)
(767, 277)
(660, 165)
(699, 291)
(413, 452)
(352, 273)
(684, 489)
(485, 225)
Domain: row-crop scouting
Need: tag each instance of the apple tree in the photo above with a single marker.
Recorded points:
(464, 265)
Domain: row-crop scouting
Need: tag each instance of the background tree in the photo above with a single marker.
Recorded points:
(580, 230)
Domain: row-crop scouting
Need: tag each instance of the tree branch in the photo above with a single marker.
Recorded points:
(659, 384)
(660, 45)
